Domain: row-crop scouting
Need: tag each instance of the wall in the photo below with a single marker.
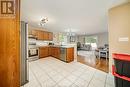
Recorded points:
(119, 26)
(102, 38)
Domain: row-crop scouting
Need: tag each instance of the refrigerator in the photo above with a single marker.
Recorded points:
(24, 72)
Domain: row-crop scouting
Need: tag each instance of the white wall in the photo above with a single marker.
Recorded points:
(102, 39)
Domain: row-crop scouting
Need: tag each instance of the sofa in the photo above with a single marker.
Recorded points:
(83, 47)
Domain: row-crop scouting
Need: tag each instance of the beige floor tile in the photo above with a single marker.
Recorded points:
(51, 72)
(65, 83)
(49, 83)
(57, 78)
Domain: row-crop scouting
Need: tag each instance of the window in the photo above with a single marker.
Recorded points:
(62, 38)
(91, 40)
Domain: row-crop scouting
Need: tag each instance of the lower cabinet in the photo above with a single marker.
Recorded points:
(55, 52)
(69, 54)
(49, 51)
(43, 52)
(58, 53)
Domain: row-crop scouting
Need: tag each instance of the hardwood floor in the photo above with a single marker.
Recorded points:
(97, 63)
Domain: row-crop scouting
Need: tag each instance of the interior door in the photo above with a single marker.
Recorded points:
(10, 48)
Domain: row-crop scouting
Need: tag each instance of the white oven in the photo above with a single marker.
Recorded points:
(33, 53)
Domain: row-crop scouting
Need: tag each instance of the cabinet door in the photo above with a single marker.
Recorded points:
(43, 52)
(45, 35)
(50, 51)
(58, 52)
(40, 35)
(70, 54)
(46, 52)
(50, 36)
(34, 32)
(53, 51)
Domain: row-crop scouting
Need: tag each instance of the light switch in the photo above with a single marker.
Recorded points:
(123, 39)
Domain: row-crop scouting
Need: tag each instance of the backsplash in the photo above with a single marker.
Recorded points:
(38, 42)
(42, 43)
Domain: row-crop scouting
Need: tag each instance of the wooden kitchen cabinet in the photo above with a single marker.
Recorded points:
(50, 51)
(50, 36)
(40, 35)
(55, 52)
(43, 52)
(45, 35)
(69, 54)
(32, 32)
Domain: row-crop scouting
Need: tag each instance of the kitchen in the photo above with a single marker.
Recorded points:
(40, 44)
(42, 41)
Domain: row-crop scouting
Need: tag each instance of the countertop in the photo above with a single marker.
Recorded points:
(61, 46)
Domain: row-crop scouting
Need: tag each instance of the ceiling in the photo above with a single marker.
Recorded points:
(81, 16)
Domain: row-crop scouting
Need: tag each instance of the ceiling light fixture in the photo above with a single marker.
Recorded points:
(70, 33)
(43, 21)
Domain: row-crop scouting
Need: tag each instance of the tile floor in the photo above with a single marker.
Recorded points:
(51, 72)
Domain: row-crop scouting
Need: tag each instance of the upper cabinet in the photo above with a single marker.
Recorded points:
(41, 35)
(32, 32)
(50, 36)
(45, 35)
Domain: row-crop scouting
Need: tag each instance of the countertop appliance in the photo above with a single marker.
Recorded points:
(51, 43)
(24, 73)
